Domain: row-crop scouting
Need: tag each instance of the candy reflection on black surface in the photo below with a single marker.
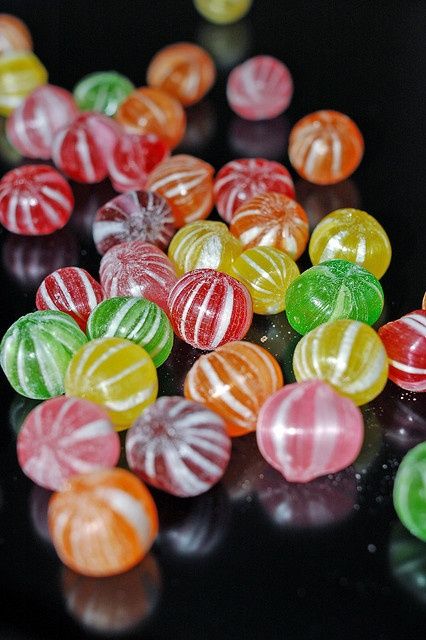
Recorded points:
(19, 408)
(402, 417)
(265, 139)
(246, 469)
(319, 200)
(38, 504)
(407, 560)
(228, 44)
(201, 125)
(373, 440)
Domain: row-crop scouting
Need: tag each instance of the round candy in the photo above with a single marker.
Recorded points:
(137, 269)
(241, 180)
(71, 290)
(333, 290)
(273, 220)
(34, 200)
(187, 185)
(133, 157)
(234, 381)
(184, 70)
(405, 344)
(178, 446)
(204, 245)
(267, 273)
(409, 497)
(103, 523)
(136, 319)
(102, 91)
(307, 430)
(36, 350)
(424, 302)
(20, 73)
(208, 308)
(136, 215)
(151, 110)
(325, 147)
(223, 11)
(14, 34)
(64, 437)
(259, 89)
(354, 235)
(347, 354)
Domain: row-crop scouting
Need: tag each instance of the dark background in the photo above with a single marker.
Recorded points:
(255, 557)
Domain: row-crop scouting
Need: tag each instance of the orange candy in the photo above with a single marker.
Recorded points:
(151, 110)
(184, 70)
(103, 523)
(14, 34)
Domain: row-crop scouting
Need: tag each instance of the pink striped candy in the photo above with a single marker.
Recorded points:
(179, 446)
(35, 200)
(133, 157)
(64, 437)
(259, 89)
(306, 430)
(208, 308)
(71, 290)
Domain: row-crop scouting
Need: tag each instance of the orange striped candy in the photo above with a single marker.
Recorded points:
(14, 34)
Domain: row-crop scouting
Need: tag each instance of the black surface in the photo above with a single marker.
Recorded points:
(255, 557)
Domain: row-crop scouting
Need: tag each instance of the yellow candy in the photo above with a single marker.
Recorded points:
(223, 11)
(20, 73)
(115, 373)
(353, 235)
(347, 354)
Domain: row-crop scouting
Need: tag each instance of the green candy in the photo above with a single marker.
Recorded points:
(409, 492)
(36, 350)
(136, 319)
(333, 290)
(102, 91)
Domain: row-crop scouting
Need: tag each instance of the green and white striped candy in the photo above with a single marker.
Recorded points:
(102, 91)
(409, 492)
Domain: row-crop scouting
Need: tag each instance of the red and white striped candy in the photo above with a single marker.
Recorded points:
(71, 290)
(64, 437)
(133, 158)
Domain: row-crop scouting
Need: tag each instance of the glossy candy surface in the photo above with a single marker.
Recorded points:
(103, 523)
(273, 220)
(20, 73)
(307, 430)
(223, 11)
(234, 381)
(14, 34)
(64, 437)
(208, 308)
(36, 350)
(102, 91)
(260, 88)
(178, 446)
(347, 354)
(333, 290)
(34, 200)
(408, 493)
(133, 157)
(354, 235)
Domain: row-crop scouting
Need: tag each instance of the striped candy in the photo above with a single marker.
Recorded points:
(71, 290)
(14, 34)
(103, 523)
(178, 446)
(20, 73)
(409, 491)
(241, 180)
(307, 430)
(135, 319)
(405, 344)
(102, 91)
(34, 200)
(234, 381)
(347, 354)
(64, 437)
(208, 308)
(186, 183)
(133, 157)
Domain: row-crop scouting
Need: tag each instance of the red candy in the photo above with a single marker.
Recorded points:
(133, 158)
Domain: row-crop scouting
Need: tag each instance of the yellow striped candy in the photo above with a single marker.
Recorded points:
(20, 73)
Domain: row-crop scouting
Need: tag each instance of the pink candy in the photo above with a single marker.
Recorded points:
(133, 157)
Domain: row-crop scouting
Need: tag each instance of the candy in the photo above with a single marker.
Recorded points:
(354, 235)
(137, 269)
(102, 91)
(325, 147)
(178, 446)
(64, 437)
(234, 381)
(273, 220)
(20, 73)
(348, 355)
(137, 215)
(151, 110)
(14, 34)
(208, 308)
(408, 492)
(265, 138)
(424, 302)
(184, 70)
(307, 430)
(241, 180)
(71, 290)
(135, 319)
(187, 185)
(267, 273)
(223, 11)
(36, 350)
(204, 244)
(103, 523)
(34, 200)
(115, 373)
(333, 290)
(259, 89)
(405, 344)
(133, 157)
